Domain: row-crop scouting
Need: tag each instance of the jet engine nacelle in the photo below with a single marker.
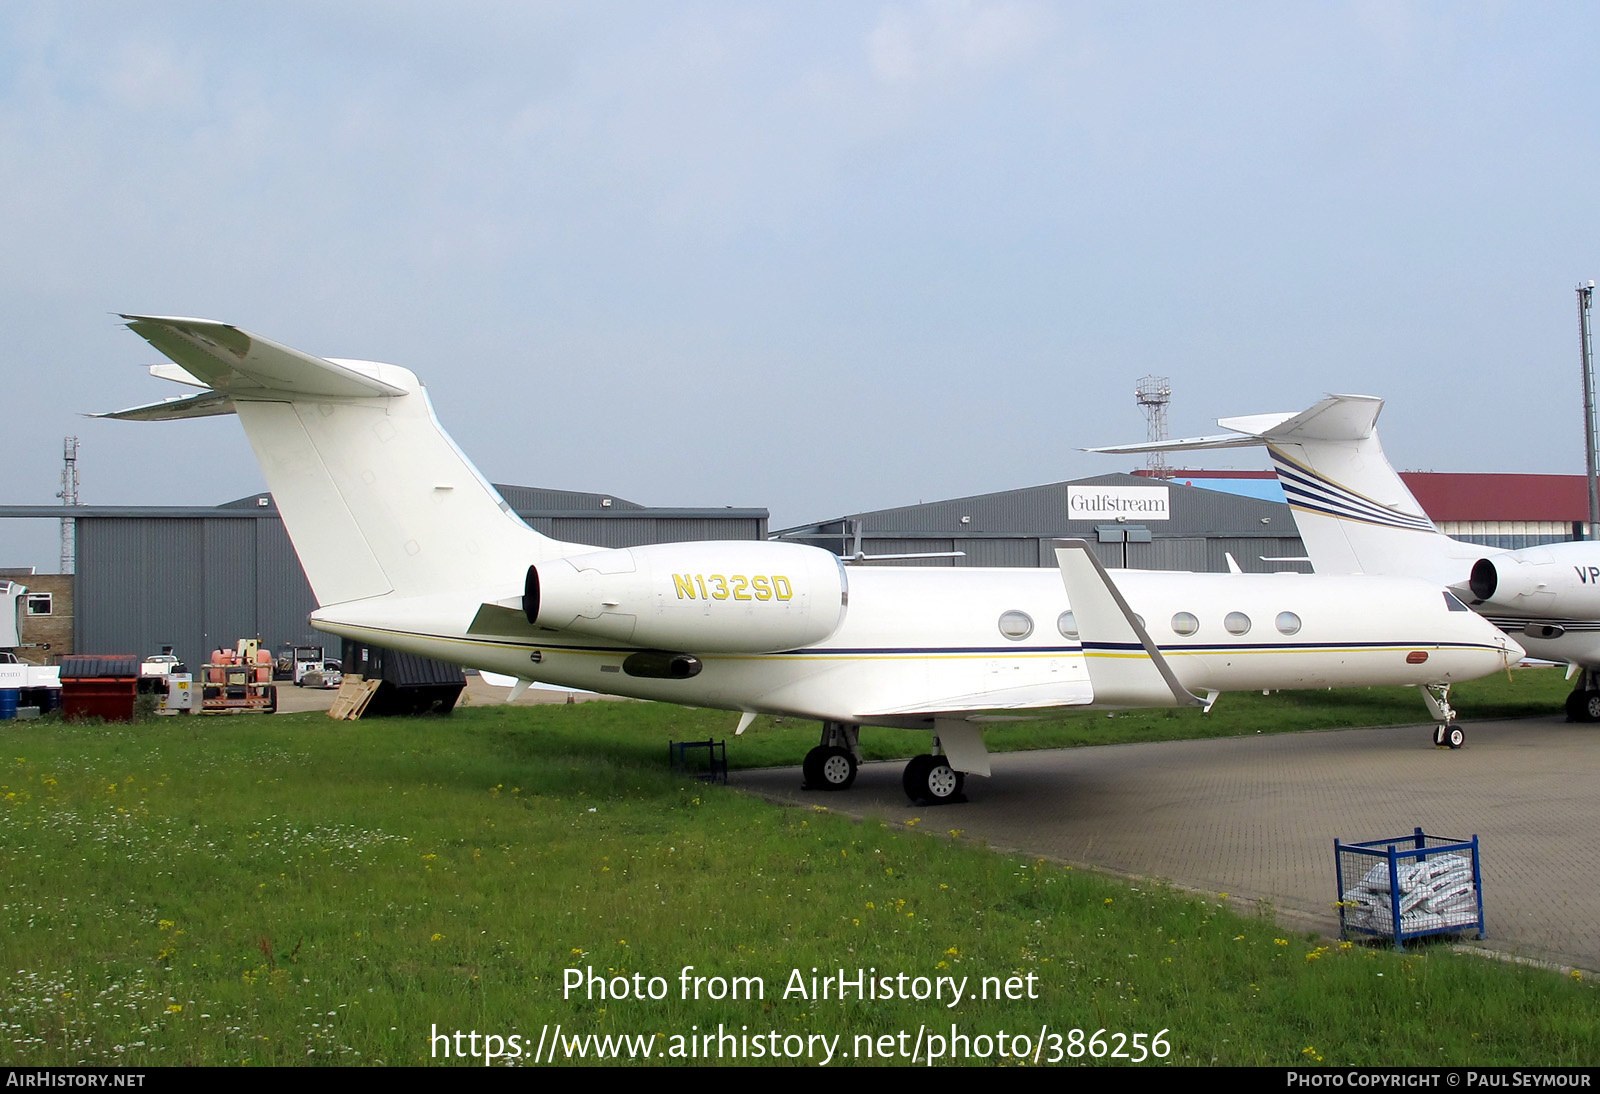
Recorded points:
(738, 597)
(1561, 579)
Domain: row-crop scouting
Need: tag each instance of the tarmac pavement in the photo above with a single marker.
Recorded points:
(1256, 817)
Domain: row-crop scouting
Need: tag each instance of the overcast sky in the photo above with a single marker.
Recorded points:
(809, 256)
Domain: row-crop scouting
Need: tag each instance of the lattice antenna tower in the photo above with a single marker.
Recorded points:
(69, 496)
(1153, 394)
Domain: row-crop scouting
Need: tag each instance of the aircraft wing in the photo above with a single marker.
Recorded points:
(1064, 693)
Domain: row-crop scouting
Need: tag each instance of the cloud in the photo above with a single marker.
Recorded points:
(941, 40)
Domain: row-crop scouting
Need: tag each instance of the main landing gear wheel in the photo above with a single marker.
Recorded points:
(829, 767)
(1583, 706)
(1454, 737)
(930, 780)
(1439, 730)
(1591, 707)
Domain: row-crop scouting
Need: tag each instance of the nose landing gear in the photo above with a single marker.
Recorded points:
(1447, 734)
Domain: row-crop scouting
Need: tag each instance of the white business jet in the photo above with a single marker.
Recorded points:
(406, 545)
(1356, 515)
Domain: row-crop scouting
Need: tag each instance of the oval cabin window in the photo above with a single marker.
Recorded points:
(1184, 623)
(1067, 625)
(1237, 623)
(1016, 625)
(1288, 623)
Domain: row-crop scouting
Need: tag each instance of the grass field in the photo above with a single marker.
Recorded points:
(293, 890)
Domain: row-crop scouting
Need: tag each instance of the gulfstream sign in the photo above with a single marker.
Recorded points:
(1099, 502)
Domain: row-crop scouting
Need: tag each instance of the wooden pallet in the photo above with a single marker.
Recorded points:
(354, 695)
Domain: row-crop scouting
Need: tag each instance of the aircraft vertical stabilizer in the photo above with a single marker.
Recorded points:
(374, 494)
(1354, 513)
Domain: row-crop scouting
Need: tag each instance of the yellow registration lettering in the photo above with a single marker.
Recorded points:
(762, 587)
(682, 584)
(740, 584)
(780, 587)
(719, 586)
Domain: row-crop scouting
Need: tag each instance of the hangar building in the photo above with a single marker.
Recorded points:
(1130, 521)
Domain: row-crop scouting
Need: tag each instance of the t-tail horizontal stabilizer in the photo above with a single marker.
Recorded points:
(1126, 667)
(208, 405)
(225, 358)
(1339, 418)
(1354, 513)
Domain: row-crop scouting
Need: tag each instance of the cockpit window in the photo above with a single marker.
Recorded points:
(1453, 604)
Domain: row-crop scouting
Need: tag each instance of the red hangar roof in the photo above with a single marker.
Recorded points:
(1453, 497)
(1448, 496)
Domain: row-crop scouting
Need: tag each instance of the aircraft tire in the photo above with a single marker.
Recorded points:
(1575, 707)
(811, 768)
(1454, 737)
(1591, 707)
(930, 780)
(829, 767)
(1439, 731)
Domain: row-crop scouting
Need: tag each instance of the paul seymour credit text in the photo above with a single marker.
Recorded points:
(928, 1042)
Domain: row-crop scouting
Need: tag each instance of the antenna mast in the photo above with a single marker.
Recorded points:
(69, 496)
(1586, 349)
(1153, 394)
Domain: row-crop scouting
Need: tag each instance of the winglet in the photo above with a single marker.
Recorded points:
(1126, 667)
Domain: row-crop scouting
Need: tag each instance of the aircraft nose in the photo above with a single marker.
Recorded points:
(1512, 648)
